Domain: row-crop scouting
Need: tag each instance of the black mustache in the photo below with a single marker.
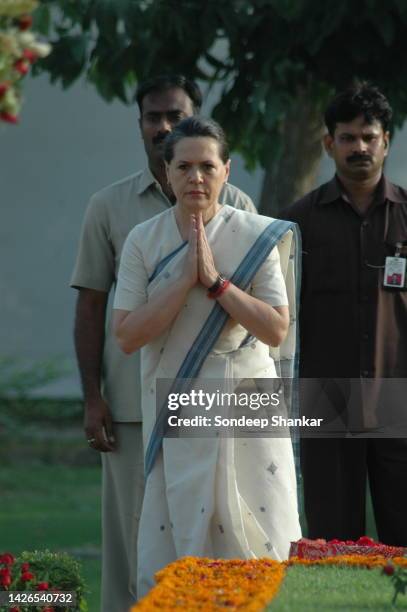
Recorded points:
(159, 138)
(357, 157)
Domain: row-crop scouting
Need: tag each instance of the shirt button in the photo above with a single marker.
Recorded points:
(365, 224)
(365, 336)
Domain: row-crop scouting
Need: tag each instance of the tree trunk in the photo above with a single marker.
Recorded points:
(294, 174)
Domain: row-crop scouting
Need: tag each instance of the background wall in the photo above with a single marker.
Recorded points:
(68, 145)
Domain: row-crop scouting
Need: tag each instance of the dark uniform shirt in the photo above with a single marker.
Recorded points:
(350, 325)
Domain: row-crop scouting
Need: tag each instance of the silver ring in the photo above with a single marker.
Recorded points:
(91, 440)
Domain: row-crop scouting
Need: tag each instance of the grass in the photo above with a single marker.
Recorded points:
(50, 498)
(335, 589)
(55, 507)
(58, 507)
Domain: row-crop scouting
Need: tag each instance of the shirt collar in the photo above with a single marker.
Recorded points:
(330, 191)
(393, 193)
(386, 191)
(147, 179)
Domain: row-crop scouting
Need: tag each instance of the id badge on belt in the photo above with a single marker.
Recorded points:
(395, 271)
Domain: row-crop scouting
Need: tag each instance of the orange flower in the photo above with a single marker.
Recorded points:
(355, 560)
(209, 585)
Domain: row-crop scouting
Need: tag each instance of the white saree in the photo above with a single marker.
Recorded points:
(215, 497)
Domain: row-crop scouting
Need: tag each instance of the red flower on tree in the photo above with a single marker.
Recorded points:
(19, 48)
(8, 117)
(21, 66)
(25, 22)
(25, 567)
(27, 576)
(3, 88)
(30, 55)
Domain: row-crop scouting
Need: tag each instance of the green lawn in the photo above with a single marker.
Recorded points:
(58, 507)
(55, 507)
(335, 589)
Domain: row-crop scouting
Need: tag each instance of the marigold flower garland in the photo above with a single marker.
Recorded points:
(355, 560)
(210, 585)
(201, 584)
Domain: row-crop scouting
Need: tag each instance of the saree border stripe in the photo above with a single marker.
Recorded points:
(161, 265)
(212, 328)
(295, 368)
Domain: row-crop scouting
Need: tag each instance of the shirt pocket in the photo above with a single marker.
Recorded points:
(328, 269)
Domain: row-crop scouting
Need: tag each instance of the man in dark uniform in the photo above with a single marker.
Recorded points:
(353, 318)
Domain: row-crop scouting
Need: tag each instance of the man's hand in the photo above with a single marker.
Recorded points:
(89, 342)
(98, 426)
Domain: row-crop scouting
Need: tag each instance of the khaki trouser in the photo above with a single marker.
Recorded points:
(122, 497)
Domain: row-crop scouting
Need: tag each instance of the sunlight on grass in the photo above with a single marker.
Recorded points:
(55, 507)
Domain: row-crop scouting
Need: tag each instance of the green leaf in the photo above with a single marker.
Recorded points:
(288, 9)
(68, 58)
(106, 18)
(42, 20)
(263, 51)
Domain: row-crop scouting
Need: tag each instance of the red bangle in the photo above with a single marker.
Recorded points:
(223, 285)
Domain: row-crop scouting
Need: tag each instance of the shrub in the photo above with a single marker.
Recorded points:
(42, 572)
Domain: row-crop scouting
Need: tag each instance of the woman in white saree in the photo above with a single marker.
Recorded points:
(201, 289)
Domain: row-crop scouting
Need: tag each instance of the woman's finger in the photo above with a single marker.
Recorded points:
(202, 250)
(202, 240)
(193, 233)
(206, 265)
(191, 262)
(205, 238)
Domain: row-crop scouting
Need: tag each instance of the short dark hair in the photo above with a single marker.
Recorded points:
(196, 127)
(360, 99)
(169, 81)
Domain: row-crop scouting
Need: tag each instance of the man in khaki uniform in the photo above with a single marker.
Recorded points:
(110, 379)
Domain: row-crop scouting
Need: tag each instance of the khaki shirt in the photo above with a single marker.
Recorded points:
(111, 214)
